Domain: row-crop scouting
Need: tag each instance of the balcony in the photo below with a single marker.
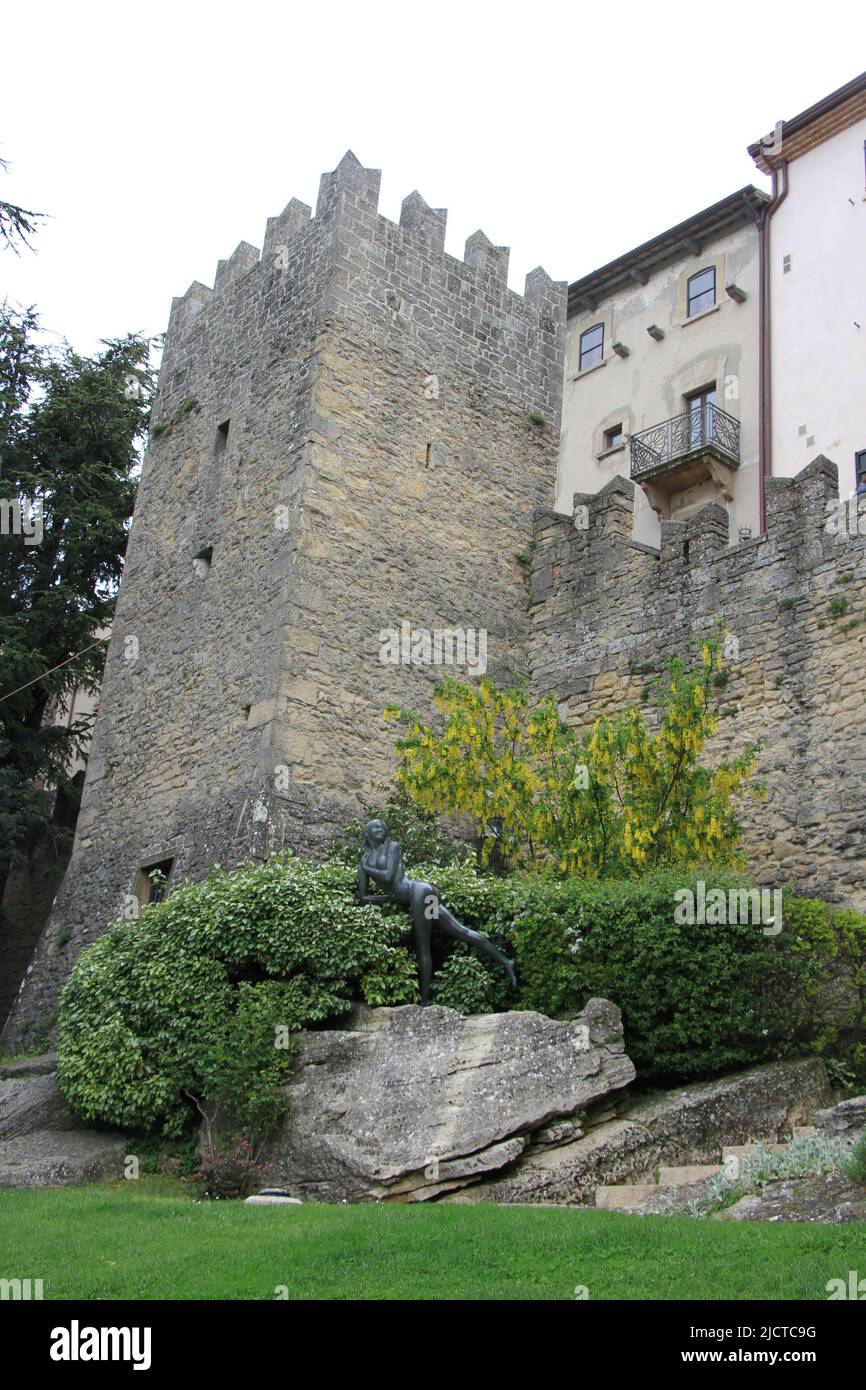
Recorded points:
(701, 445)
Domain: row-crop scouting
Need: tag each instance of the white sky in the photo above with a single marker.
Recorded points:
(160, 135)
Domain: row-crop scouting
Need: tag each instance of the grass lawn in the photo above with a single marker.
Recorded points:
(149, 1239)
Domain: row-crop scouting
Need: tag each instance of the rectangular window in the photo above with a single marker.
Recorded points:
(613, 436)
(591, 346)
(860, 466)
(702, 291)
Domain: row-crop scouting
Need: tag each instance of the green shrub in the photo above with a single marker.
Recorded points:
(418, 832)
(696, 1000)
(826, 948)
(200, 997)
(467, 983)
(855, 1165)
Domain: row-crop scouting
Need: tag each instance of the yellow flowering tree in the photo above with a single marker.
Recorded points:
(617, 800)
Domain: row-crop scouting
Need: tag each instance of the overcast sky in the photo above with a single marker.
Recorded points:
(159, 135)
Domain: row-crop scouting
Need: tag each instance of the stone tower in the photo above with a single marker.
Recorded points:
(351, 431)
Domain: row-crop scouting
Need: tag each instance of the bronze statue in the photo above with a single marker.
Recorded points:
(382, 862)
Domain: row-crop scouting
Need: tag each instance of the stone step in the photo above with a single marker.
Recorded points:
(686, 1174)
(625, 1195)
(749, 1150)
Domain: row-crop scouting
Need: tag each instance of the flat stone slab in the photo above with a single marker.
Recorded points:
(262, 1201)
(43, 1143)
(749, 1150)
(747, 1209)
(411, 1102)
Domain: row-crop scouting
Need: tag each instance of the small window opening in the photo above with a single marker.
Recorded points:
(202, 562)
(613, 436)
(152, 882)
(222, 438)
(685, 552)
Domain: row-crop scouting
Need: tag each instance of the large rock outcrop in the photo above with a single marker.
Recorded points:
(412, 1102)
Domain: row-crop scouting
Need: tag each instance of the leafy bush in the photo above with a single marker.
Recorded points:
(826, 948)
(854, 1166)
(227, 1169)
(418, 831)
(201, 996)
(467, 983)
(696, 1000)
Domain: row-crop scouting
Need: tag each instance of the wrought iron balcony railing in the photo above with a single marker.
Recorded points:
(674, 440)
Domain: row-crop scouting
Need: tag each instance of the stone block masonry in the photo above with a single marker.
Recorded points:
(351, 429)
(607, 613)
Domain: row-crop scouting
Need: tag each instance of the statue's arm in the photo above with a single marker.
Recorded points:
(392, 860)
(363, 884)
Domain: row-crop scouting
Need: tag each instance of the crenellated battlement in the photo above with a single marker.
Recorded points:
(801, 512)
(350, 235)
(351, 190)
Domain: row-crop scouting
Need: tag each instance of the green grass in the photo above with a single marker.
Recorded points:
(148, 1240)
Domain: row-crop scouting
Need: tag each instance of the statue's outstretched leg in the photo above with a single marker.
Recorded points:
(452, 927)
(422, 932)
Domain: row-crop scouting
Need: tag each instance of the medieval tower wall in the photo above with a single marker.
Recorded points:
(352, 429)
(608, 613)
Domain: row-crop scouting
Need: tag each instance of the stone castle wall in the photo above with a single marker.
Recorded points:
(607, 611)
(381, 464)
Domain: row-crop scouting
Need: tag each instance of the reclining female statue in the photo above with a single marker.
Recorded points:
(382, 862)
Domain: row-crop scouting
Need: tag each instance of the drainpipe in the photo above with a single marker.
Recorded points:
(765, 387)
